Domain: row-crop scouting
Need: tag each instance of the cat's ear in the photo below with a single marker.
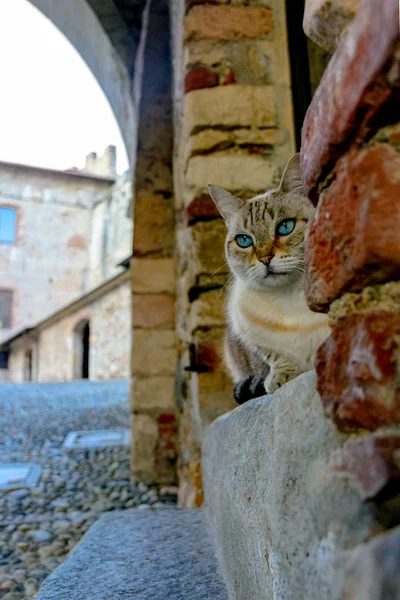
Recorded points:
(291, 178)
(227, 204)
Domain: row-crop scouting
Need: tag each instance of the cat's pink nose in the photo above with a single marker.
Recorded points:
(265, 260)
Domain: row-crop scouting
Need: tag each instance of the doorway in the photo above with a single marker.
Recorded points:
(81, 367)
(28, 365)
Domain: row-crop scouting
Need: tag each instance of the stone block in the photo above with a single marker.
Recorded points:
(227, 23)
(152, 310)
(145, 439)
(153, 395)
(325, 21)
(207, 311)
(153, 352)
(215, 395)
(230, 106)
(357, 371)
(132, 554)
(212, 140)
(167, 448)
(200, 77)
(235, 62)
(154, 224)
(371, 571)
(356, 85)
(280, 516)
(376, 297)
(233, 171)
(201, 207)
(354, 239)
(190, 486)
(372, 461)
(209, 343)
(153, 275)
(204, 251)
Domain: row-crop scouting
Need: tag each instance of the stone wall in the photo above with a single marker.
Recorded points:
(110, 232)
(351, 169)
(72, 231)
(314, 509)
(47, 265)
(234, 128)
(52, 343)
(153, 401)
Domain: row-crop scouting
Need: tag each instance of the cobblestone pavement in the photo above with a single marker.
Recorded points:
(39, 526)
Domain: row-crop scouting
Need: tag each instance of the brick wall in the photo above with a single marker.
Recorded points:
(153, 403)
(234, 128)
(351, 166)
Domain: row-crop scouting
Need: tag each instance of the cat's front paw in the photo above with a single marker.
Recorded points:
(277, 378)
(247, 389)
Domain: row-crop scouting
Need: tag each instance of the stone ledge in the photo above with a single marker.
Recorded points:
(281, 516)
(140, 555)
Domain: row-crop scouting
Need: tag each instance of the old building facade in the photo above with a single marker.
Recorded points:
(63, 234)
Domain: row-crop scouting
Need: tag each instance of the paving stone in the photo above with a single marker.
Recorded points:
(140, 555)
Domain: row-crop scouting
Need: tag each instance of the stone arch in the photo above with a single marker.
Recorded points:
(80, 25)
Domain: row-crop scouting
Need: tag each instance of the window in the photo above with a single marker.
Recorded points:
(7, 225)
(5, 309)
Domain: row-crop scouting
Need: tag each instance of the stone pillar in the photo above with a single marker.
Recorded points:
(351, 170)
(234, 128)
(153, 280)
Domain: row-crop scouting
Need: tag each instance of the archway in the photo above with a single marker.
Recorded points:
(28, 365)
(81, 349)
(80, 25)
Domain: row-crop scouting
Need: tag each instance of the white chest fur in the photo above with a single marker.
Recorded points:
(278, 319)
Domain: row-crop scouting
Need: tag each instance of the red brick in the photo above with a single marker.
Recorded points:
(372, 461)
(354, 88)
(200, 77)
(152, 310)
(200, 208)
(229, 78)
(357, 371)
(354, 238)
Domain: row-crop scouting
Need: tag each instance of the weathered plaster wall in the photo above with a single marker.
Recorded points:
(48, 264)
(110, 232)
(109, 356)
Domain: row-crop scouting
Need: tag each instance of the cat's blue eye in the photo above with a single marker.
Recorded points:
(243, 240)
(286, 226)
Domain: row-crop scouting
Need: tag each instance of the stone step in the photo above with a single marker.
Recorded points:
(162, 554)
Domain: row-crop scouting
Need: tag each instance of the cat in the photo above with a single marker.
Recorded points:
(272, 336)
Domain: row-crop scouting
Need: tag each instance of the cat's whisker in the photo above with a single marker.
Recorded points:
(230, 278)
(215, 272)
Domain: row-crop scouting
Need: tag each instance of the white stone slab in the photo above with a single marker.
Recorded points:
(18, 475)
(95, 439)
